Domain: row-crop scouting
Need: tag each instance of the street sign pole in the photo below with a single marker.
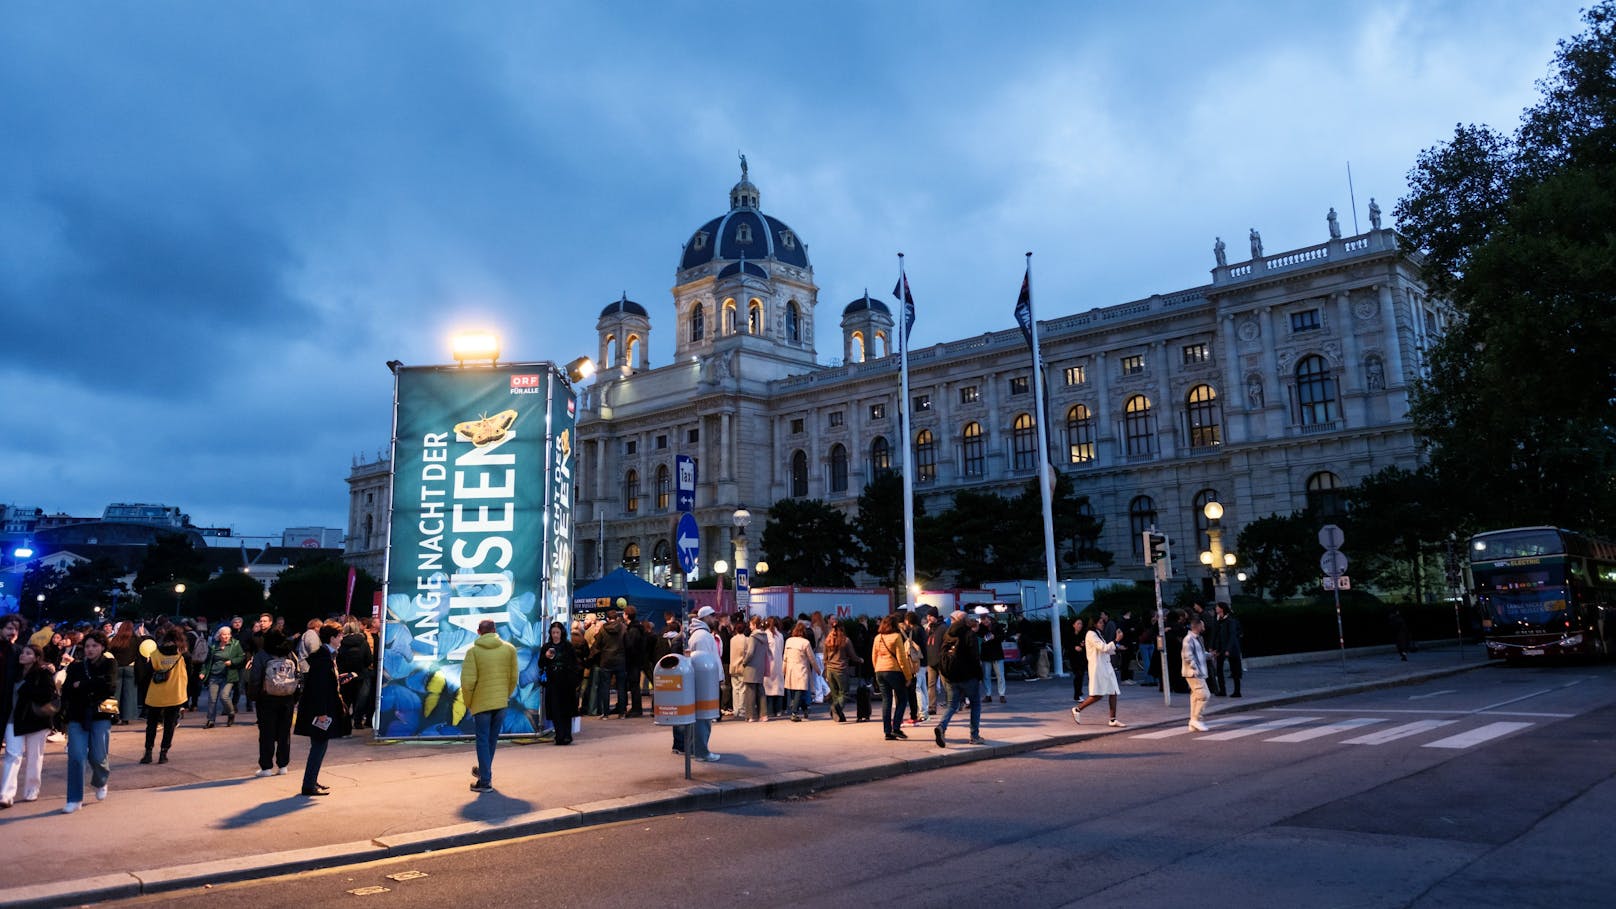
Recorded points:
(1334, 563)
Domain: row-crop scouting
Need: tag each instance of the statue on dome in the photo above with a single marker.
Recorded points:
(743, 165)
(1219, 253)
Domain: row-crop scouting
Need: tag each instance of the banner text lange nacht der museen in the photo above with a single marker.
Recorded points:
(477, 520)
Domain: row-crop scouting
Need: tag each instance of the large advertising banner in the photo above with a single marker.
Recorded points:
(482, 496)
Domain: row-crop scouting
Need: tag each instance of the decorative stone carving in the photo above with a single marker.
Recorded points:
(1286, 358)
(1332, 350)
(1374, 213)
(1219, 253)
(1256, 244)
(1254, 392)
(1249, 330)
(1366, 308)
(1374, 373)
(1335, 225)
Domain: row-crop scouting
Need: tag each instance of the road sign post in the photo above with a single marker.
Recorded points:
(685, 490)
(687, 543)
(1334, 565)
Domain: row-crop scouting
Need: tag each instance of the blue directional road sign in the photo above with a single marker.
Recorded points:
(687, 542)
(685, 493)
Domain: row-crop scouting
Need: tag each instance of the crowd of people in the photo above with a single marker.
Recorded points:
(74, 683)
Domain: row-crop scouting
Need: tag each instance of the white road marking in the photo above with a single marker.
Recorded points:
(1269, 726)
(1319, 732)
(1399, 732)
(1426, 712)
(1434, 694)
(1181, 729)
(1477, 736)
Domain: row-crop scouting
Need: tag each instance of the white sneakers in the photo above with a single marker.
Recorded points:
(280, 771)
(711, 757)
(265, 772)
(71, 807)
(1077, 716)
(100, 793)
(1118, 724)
(1199, 726)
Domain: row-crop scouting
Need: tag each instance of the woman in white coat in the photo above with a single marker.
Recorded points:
(1102, 678)
(774, 678)
(800, 671)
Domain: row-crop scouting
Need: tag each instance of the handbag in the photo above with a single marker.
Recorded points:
(109, 705)
(48, 709)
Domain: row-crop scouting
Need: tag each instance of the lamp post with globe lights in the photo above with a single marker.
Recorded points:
(719, 568)
(179, 597)
(743, 600)
(1215, 558)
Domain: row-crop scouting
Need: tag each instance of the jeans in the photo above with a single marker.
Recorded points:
(892, 688)
(169, 717)
(796, 701)
(923, 689)
(488, 725)
(614, 680)
(992, 669)
(697, 738)
(970, 689)
(87, 742)
(27, 750)
(219, 695)
(275, 731)
(128, 694)
(1147, 652)
(311, 770)
(750, 704)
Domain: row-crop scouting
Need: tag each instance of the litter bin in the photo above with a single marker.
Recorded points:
(707, 676)
(673, 691)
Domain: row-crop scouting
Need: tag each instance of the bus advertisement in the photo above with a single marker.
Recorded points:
(1544, 592)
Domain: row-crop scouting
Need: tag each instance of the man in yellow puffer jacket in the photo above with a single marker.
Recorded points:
(487, 681)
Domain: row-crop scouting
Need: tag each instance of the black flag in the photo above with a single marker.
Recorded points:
(1024, 308)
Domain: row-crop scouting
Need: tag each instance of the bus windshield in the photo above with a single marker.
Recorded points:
(1535, 595)
(1516, 544)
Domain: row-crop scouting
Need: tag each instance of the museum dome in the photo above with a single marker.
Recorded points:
(744, 232)
(864, 303)
(624, 307)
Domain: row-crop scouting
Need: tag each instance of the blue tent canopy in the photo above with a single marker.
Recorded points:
(649, 600)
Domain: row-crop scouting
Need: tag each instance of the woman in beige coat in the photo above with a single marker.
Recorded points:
(800, 670)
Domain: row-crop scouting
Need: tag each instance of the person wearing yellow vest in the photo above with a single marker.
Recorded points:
(168, 691)
(488, 678)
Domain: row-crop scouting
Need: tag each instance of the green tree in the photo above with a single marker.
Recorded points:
(317, 588)
(1282, 551)
(170, 560)
(809, 543)
(1396, 518)
(1517, 231)
(879, 527)
(971, 538)
(230, 594)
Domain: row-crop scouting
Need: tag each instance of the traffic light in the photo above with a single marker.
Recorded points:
(1158, 550)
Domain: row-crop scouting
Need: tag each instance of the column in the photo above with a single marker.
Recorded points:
(725, 471)
(1276, 399)
(1104, 437)
(1396, 379)
(1351, 384)
(1167, 409)
(1234, 431)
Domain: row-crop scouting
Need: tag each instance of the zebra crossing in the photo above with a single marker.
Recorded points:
(1282, 730)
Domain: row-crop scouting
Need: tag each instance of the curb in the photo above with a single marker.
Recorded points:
(695, 797)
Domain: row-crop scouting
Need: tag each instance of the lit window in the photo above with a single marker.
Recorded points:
(969, 394)
(631, 492)
(1024, 442)
(925, 457)
(1136, 426)
(662, 487)
(878, 411)
(1202, 413)
(922, 402)
(1018, 385)
(1076, 375)
(1133, 366)
(880, 456)
(974, 449)
(754, 317)
(1195, 353)
(1080, 434)
(631, 557)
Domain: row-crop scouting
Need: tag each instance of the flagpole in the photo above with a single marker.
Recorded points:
(1046, 475)
(903, 427)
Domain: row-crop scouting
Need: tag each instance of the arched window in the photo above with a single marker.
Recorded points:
(662, 487)
(611, 351)
(974, 450)
(1202, 411)
(1080, 434)
(880, 456)
(1024, 442)
(1315, 391)
(631, 492)
(1324, 495)
(1201, 523)
(925, 457)
(855, 349)
(799, 475)
(838, 468)
(631, 557)
(661, 554)
(1141, 517)
(729, 318)
(698, 322)
(880, 346)
(1136, 426)
(631, 350)
(754, 317)
(793, 322)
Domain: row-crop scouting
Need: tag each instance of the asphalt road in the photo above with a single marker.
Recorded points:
(1486, 789)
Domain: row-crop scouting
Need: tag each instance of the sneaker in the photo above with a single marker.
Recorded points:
(710, 757)
(480, 786)
(265, 772)
(978, 740)
(1001, 699)
(71, 807)
(938, 735)
(100, 793)
(1199, 726)
(899, 733)
(1077, 716)
(1117, 724)
(57, 737)
(280, 771)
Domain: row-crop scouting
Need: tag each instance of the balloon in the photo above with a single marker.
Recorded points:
(147, 648)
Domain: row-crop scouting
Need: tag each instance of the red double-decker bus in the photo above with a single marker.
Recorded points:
(1544, 591)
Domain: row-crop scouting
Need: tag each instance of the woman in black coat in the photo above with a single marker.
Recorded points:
(353, 659)
(91, 683)
(321, 714)
(27, 728)
(561, 670)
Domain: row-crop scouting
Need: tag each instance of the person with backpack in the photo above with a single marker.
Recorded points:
(274, 683)
(167, 691)
(962, 667)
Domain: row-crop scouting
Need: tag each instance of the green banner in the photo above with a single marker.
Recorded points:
(481, 530)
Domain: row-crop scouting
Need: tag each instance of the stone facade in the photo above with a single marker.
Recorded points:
(370, 492)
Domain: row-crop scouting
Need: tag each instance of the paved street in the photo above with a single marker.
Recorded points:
(1482, 789)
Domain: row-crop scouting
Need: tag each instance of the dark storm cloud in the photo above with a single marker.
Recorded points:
(150, 296)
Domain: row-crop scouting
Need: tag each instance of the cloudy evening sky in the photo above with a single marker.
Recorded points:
(219, 220)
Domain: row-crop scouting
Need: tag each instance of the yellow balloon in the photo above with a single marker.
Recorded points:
(621, 602)
(147, 648)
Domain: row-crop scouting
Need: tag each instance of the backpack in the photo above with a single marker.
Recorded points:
(199, 649)
(280, 677)
(954, 665)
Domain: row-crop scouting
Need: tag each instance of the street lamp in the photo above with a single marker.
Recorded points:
(1214, 557)
(41, 601)
(719, 567)
(179, 597)
(741, 518)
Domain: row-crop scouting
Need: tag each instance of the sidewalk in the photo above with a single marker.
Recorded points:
(204, 818)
